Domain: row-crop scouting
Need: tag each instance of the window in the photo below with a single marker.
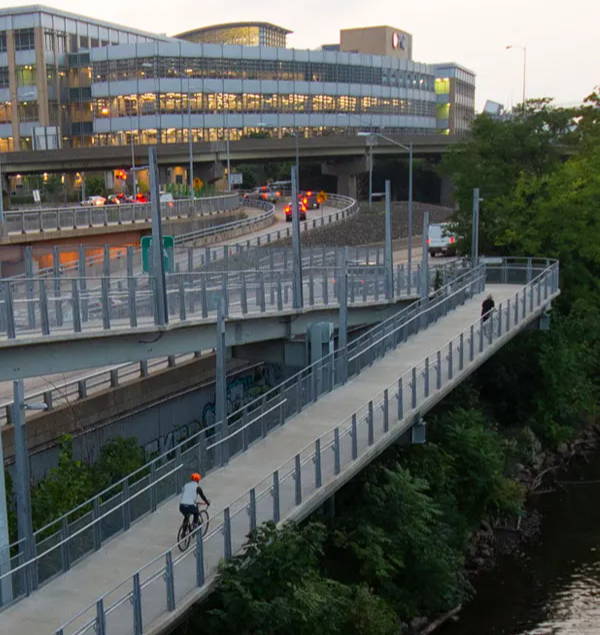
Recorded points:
(84, 41)
(2, 41)
(4, 77)
(5, 112)
(28, 111)
(24, 39)
(26, 75)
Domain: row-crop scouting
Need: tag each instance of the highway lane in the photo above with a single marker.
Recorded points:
(61, 380)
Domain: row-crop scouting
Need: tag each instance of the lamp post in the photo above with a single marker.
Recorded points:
(409, 149)
(189, 72)
(524, 49)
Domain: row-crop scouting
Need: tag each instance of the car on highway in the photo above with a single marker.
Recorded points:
(301, 209)
(441, 240)
(310, 199)
(264, 193)
(93, 201)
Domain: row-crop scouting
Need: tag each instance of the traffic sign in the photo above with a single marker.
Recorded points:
(167, 251)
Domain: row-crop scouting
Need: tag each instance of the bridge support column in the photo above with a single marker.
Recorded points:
(447, 192)
(346, 173)
(209, 172)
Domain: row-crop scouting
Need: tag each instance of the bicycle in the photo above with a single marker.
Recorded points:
(184, 535)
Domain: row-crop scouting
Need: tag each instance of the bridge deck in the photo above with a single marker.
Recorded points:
(49, 607)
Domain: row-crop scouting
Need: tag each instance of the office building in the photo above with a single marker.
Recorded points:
(71, 81)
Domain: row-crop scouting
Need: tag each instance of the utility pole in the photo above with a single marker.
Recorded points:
(298, 301)
(24, 522)
(475, 228)
(388, 256)
(221, 382)
(343, 319)
(161, 314)
(425, 258)
(6, 593)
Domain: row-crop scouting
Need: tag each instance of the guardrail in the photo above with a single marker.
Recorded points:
(64, 218)
(55, 540)
(156, 589)
(80, 388)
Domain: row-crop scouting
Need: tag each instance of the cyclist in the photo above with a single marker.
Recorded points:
(191, 492)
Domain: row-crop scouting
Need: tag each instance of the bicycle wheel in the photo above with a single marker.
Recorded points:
(183, 536)
(204, 520)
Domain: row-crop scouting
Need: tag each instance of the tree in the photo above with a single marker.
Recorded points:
(498, 153)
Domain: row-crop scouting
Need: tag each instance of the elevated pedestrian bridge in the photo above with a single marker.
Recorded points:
(98, 571)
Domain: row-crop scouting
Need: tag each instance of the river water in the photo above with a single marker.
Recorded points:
(553, 585)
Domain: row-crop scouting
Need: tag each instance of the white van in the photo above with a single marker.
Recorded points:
(441, 240)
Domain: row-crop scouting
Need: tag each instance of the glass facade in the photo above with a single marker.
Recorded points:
(242, 33)
(155, 89)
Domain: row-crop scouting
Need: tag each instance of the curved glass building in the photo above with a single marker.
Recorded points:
(70, 81)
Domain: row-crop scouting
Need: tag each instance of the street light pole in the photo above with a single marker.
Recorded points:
(409, 149)
(410, 214)
(297, 160)
(190, 148)
(133, 177)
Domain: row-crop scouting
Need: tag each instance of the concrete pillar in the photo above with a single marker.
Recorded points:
(209, 172)
(447, 192)
(346, 172)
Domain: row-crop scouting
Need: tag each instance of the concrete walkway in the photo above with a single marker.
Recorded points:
(59, 600)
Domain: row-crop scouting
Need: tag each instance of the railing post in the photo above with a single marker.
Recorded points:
(317, 460)
(10, 314)
(481, 328)
(227, 533)
(199, 559)
(252, 509)
(450, 361)
(426, 378)
(370, 423)
(438, 370)
(386, 411)
(125, 507)
(336, 451)
(169, 581)
(76, 306)
(97, 528)
(203, 295)
(244, 294)
(275, 494)
(413, 387)
(354, 433)
(100, 618)
(400, 400)
(44, 317)
(64, 548)
(461, 351)
(298, 479)
(138, 628)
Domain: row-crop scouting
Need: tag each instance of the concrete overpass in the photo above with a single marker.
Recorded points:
(307, 438)
(326, 147)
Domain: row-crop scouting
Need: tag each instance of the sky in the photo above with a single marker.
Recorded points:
(560, 36)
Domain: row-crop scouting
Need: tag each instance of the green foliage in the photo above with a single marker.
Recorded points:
(73, 482)
(94, 186)
(275, 587)
(397, 542)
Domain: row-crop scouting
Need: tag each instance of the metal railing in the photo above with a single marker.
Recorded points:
(66, 392)
(59, 541)
(65, 218)
(159, 586)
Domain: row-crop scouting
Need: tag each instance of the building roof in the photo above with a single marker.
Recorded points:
(42, 8)
(231, 25)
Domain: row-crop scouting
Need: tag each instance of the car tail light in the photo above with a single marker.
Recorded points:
(452, 240)
(428, 241)
(277, 193)
(305, 201)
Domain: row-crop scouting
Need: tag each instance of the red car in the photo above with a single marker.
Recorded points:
(301, 209)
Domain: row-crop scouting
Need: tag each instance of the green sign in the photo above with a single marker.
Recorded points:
(167, 251)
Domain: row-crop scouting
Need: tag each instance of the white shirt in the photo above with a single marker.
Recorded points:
(188, 496)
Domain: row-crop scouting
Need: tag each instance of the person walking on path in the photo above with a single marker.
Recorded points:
(486, 308)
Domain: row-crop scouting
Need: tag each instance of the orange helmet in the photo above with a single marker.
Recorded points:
(196, 477)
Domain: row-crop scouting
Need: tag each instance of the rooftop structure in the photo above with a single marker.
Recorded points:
(240, 33)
